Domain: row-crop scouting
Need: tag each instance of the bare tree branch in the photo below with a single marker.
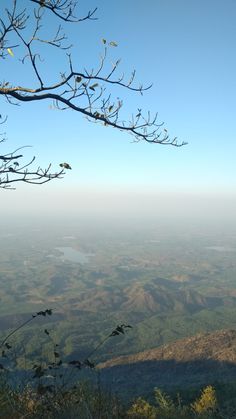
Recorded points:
(12, 170)
(88, 92)
(64, 10)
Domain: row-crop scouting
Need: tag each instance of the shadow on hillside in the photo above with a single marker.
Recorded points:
(141, 378)
(12, 321)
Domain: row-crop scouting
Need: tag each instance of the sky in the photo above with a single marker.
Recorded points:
(186, 49)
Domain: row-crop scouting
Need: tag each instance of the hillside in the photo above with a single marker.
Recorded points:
(220, 346)
(167, 286)
(190, 362)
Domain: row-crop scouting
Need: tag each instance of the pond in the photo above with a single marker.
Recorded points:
(221, 248)
(73, 255)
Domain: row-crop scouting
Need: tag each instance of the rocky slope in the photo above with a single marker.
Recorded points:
(192, 362)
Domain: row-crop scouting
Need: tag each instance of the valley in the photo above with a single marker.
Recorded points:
(166, 285)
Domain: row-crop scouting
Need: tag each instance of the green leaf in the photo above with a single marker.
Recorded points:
(7, 345)
(89, 363)
(113, 44)
(49, 311)
(93, 86)
(66, 166)
(9, 50)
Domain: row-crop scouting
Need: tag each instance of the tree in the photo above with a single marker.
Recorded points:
(24, 30)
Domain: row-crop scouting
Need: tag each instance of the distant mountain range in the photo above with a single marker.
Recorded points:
(158, 296)
(191, 362)
(160, 311)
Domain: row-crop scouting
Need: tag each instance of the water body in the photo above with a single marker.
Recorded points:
(221, 248)
(69, 238)
(73, 255)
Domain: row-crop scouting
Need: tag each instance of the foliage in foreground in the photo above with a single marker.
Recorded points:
(205, 406)
(82, 401)
(54, 391)
(87, 401)
(50, 389)
(165, 407)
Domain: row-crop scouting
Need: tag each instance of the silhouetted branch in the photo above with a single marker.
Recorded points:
(12, 171)
(81, 91)
(44, 313)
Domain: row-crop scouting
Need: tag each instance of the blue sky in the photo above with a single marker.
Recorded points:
(186, 48)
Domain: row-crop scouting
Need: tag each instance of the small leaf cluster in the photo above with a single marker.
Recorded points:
(120, 329)
(47, 312)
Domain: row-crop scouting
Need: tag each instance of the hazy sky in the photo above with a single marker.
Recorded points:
(186, 48)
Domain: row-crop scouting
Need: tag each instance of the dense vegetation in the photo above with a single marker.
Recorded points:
(85, 401)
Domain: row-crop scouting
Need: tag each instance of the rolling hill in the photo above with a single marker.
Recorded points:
(191, 362)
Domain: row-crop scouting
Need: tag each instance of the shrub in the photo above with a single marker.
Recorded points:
(207, 403)
(142, 409)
